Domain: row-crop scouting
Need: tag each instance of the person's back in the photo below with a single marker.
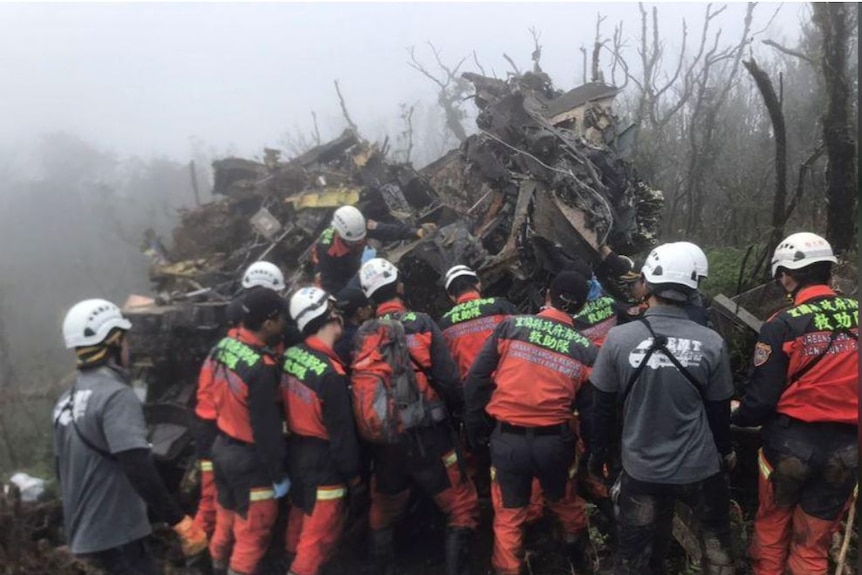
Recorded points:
(672, 378)
(102, 456)
(803, 389)
(666, 435)
(473, 319)
(101, 509)
(427, 457)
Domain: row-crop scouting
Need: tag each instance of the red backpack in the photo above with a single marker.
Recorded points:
(387, 401)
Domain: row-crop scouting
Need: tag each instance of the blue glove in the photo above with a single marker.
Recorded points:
(281, 488)
(368, 254)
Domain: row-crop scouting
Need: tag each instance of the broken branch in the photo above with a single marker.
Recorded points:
(344, 109)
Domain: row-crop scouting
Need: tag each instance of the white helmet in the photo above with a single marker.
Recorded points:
(457, 272)
(700, 262)
(801, 249)
(671, 265)
(90, 321)
(307, 304)
(263, 274)
(349, 223)
(376, 273)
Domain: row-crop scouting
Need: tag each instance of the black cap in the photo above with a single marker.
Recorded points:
(351, 299)
(621, 267)
(569, 287)
(260, 304)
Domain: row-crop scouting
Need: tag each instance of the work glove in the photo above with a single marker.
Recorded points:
(192, 537)
(359, 499)
(281, 488)
(426, 230)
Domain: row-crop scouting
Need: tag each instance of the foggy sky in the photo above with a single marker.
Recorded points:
(147, 79)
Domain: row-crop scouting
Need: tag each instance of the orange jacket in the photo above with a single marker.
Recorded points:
(314, 390)
(529, 372)
(242, 387)
(821, 327)
(470, 323)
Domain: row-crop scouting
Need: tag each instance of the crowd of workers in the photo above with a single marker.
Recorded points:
(335, 402)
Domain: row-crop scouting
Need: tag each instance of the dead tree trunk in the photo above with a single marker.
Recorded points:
(833, 21)
(776, 115)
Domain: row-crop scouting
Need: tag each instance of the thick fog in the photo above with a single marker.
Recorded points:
(105, 105)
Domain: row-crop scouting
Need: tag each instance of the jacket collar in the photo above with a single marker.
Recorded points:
(318, 344)
(391, 306)
(809, 293)
(248, 338)
(557, 315)
(469, 296)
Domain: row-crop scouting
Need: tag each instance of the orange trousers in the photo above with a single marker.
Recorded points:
(509, 522)
(249, 536)
(205, 517)
(313, 537)
(457, 500)
(785, 538)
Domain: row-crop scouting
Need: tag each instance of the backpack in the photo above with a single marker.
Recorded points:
(387, 401)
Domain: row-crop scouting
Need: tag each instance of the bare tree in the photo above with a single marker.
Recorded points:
(598, 44)
(776, 114)
(836, 22)
(406, 136)
(452, 89)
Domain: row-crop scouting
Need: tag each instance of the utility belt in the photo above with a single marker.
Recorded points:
(232, 440)
(544, 430)
(783, 421)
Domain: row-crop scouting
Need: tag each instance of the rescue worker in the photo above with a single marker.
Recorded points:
(337, 254)
(429, 459)
(465, 328)
(601, 311)
(696, 306)
(803, 390)
(259, 275)
(323, 446)
(523, 385)
(355, 309)
(468, 325)
(102, 455)
(666, 364)
(248, 453)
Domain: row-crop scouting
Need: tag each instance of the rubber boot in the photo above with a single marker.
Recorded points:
(383, 551)
(579, 551)
(458, 541)
(219, 568)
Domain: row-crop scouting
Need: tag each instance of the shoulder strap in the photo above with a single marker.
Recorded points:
(659, 343)
(70, 407)
(811, 364)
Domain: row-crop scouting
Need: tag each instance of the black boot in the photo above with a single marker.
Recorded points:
(458, 541)
(580, 553)
(383, 551)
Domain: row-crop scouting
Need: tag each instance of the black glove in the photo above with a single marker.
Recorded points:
(359, 499)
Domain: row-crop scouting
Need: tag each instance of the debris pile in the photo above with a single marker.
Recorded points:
(544, 178)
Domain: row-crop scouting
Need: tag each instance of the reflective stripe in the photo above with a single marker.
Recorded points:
(573, 469)
(765, 468)
(261, 494)
(450, 458)
(330, 493)
(493, 474)
(206, 465)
